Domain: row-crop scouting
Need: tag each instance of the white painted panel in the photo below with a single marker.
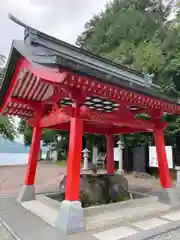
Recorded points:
(117, 154)
(153, 162)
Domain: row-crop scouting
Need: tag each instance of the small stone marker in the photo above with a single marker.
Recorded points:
(85, 157)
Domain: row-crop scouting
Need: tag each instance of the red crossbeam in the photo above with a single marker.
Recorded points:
(54, 118)
(95, 129)
(120, 119)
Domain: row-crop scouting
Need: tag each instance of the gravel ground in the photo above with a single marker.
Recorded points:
(48, 177)
(171, 235)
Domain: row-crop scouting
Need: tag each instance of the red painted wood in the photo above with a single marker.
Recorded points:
(12, 86)
(74, 157)
(31, 89)
(57, 95)
(51, 75)
(33, 104)
(54, 118)
(75, 85)
(162, 159)
(34, 153)
(94, 87)
(29, 76)
(110, 154)
(68, 84)
(98, 130)
(121, 118)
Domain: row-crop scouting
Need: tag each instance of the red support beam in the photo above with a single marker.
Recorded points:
(54, 119)
(162, 158)
(110, 154)
(34, 153)
(97, 130)
(61, 127)
(128, 130)
(119, 119)
(74, 157)
(87, 129)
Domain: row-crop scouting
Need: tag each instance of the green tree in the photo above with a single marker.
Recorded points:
(7, 124)
(139, 34)
(49, 136)
(8, 127)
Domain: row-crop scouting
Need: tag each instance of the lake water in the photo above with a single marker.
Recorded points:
(7, 159)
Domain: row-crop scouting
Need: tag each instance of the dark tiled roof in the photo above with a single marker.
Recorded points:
(42, 49)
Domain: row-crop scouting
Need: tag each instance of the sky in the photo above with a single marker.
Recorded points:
(63, 19)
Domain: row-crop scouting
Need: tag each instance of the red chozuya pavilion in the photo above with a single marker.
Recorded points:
(55, 85)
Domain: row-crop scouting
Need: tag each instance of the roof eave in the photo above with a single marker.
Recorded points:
(14, 56)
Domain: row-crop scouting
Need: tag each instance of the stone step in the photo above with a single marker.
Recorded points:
(48, 201)
(91, 211)
(120, 205)
(116, 233)
(117, 213)
(120, 216)
(48, 214)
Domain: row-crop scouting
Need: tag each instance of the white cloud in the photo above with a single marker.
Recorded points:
(63, 19)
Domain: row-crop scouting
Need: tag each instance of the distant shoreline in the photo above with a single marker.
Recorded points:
(13, 165)
(13, 159)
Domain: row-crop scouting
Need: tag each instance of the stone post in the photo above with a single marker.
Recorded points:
(85, 157)
(120, 150)
(177, 168)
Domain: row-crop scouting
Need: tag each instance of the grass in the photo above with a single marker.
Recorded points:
(62, 163)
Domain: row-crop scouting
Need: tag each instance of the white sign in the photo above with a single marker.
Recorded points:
(153, 162)
(116, 154)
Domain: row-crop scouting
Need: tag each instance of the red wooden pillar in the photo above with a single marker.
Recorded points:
(34, 153)
(162, 159)
(110, 154)
(74, 157)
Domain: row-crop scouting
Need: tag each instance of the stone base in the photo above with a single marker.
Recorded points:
(85, 169)
(71, 218)
(27, 193)
(169, 196)
(178, 175)
(120, 171)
